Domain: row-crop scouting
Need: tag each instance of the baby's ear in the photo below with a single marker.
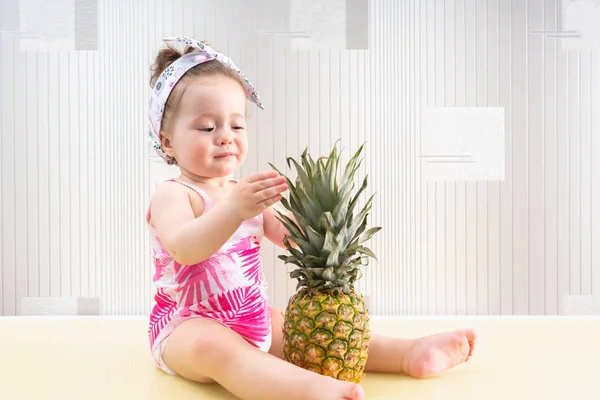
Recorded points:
(166, 146)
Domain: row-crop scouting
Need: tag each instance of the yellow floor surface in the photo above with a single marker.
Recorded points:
(108, 358)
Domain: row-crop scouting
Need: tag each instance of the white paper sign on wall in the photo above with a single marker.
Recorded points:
(580, 25)
(57, 25)
(463, 143)
(330, 24)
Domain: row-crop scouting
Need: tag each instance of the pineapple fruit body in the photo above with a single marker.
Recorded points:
(327, 333)
(326, 323)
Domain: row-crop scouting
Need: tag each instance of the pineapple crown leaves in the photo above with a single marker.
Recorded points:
(326, 235)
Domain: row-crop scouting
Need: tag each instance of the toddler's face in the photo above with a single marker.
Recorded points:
(208, 136)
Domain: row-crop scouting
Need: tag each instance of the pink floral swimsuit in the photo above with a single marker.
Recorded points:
(229, 287)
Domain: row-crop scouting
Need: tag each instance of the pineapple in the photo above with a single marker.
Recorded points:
(326, 322)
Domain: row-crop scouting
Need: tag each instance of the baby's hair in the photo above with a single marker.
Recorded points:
(169, 55)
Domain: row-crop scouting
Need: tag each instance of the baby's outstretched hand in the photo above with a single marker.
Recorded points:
(253, 194)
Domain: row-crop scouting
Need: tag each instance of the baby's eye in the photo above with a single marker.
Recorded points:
(238, 127)
(209, 129)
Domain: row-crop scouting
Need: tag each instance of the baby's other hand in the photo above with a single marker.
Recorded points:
(253, 194)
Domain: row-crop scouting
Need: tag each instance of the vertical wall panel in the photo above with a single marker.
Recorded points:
(524, 242)
(20, 175)
(42, 128)
(573, 146)
(505, 42)
(32, 170)
(584, 157)
(492, 71)
(595, 175)
(550, 151)
(520, 126)
(77, 172)
(460, 74)
(481, 188)
(563, 115)
(7, 151)
(535, 157)
(470, 194)
(279, 111)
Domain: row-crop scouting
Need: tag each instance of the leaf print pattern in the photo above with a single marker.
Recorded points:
(161, 260)
(228, 287)
(242, 310)
(198, 281)
(203, 290)
(252, 266)
(249, 253)
(161, 314)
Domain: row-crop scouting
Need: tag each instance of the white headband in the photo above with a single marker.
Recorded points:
(171, 75)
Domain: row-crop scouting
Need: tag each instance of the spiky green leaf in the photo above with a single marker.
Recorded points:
(368, 234)
(366, 251)
(325, 233)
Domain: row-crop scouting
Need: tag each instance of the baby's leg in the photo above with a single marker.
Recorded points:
(423, 357)
(205, 351)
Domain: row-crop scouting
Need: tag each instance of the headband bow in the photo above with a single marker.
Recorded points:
(173, 73)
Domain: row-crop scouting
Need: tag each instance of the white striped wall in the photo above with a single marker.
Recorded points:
(76, 176)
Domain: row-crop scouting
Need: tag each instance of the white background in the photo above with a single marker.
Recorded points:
(76, 173)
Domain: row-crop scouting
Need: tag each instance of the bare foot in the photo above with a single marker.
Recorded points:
(333, 389)
(354, 392)
(431, 355)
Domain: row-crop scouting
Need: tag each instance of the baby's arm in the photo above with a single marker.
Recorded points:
(190, 239)
(275, 231)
